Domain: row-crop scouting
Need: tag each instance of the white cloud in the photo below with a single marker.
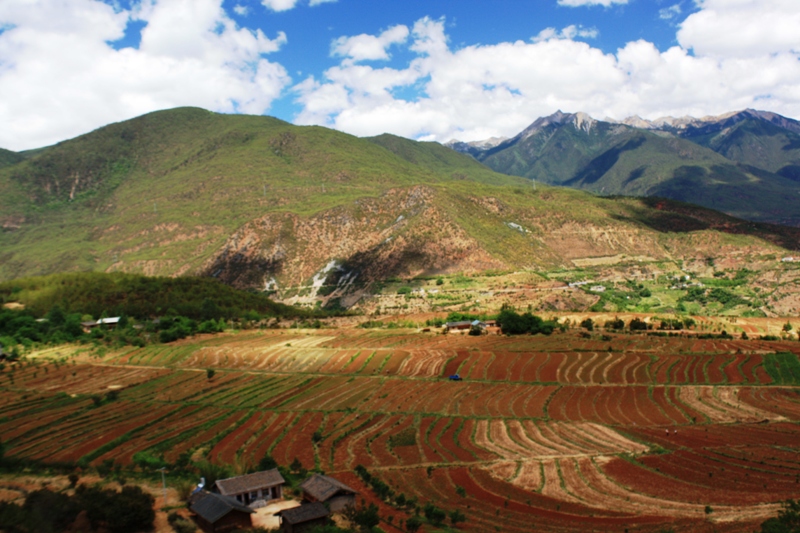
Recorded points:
(279, 5)
(570, 32)
(59, 77)
(480, 91)
(241, 10)
(742, 28)
(580, 3)
(369, 47)
(285, 5)
(669, 13)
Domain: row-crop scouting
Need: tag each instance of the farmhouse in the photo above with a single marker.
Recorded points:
(303, 518)
(215, 513)
(255, 489)
(110, 323)
(462, 325)
(325, 489)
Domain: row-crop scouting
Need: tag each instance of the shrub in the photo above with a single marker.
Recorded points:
(457, 516)
(184, 488)
(434, 515)
(787, 521)
(366, 517)
(413, 524)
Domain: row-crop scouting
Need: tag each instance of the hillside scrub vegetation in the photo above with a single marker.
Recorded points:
(138, 296)
(150, 309)
(44, 511)
(512, 323)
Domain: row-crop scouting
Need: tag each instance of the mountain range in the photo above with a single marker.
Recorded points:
(259, 203)
(746, 164)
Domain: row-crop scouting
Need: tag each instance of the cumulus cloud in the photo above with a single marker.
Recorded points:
(279, 5)
(285, 5)
(669, 13)
(369, 47)
(570, 32)
(742, 28)
(580, 3)
(241, 10)
(481, 91)
(60, 77)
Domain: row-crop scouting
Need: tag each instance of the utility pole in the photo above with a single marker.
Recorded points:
(164, 486)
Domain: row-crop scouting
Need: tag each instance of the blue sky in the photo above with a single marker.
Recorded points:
(434, 69)
(468, 22)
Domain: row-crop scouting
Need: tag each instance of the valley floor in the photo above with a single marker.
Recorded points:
(613, 432)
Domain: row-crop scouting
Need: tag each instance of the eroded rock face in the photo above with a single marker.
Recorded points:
(422, 230)
(399, 233)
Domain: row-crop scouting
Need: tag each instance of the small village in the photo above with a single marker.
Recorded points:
(258, 500)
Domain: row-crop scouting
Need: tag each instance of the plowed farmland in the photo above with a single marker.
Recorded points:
(558, 433)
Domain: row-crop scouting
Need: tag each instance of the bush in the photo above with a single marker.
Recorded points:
(413, 524)
(184, 488)
(787, 521)
(513, 323)
(588, 324)
(434, 515)
(457, 516)
(127, 511)
(366, 517)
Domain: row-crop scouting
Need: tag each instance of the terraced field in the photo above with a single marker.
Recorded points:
(558, 433)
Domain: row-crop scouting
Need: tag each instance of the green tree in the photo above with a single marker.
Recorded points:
(56, 317)
(366, 517)
(457, 517)
(787, 521)
(434, 515)
(267, 463)
(210, 373)
(413, 524)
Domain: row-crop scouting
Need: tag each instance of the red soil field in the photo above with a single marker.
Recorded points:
(556, 433)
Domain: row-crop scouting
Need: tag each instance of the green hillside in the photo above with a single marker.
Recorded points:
(175, 184)
(610, 158)
(259, 203)
(753, 142)
(8, 158)
(137, 296)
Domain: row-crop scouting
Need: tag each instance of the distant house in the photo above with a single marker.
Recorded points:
(325, 489)
(216, 513)
(788, 259)
(303, 518)
(253, 489)
(458, 326)
(110, 323)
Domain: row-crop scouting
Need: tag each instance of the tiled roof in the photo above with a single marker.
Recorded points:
(304, 513)
(213, 506)
(321, 488)
(250, 482)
